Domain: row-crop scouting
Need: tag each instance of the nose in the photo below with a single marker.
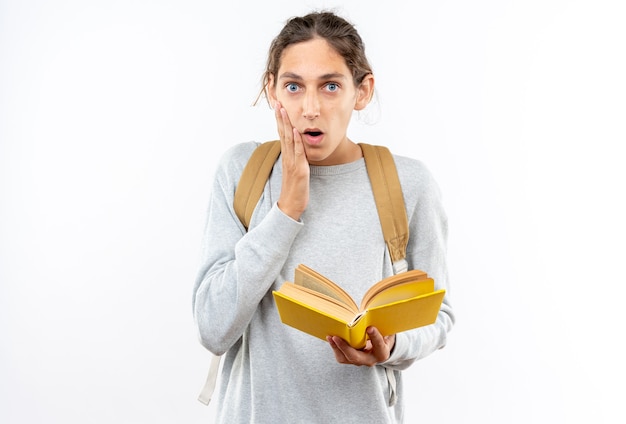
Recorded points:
(311, 106)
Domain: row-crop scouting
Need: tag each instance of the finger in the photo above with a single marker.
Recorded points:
(380, 347)
(279, 120)
(354, 356)
(339, 356)
(283, 125)
(286, 136)
(287, 131)
(298, 145)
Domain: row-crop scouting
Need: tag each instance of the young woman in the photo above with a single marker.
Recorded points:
(318, 209)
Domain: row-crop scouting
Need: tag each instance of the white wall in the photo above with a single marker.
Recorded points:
(112, 116)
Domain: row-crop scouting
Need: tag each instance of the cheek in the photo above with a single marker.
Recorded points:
(292, 112)
(341, 112)
(289, 102)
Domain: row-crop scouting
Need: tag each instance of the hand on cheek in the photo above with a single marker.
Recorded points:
(294, 194)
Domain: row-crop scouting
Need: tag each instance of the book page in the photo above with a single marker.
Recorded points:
(384, 284)
(318, 301)
(307, 277)
(401, 292)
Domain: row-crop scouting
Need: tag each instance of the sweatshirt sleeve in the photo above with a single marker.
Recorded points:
(428, 229)
(237, 267)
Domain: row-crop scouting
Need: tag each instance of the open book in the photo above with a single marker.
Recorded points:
(318, 306)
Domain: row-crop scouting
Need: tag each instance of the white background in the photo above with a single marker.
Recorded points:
(113, 114)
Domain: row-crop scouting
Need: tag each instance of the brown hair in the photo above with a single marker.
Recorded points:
(338, 32)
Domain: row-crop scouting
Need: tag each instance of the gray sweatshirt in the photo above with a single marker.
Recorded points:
(273, 373)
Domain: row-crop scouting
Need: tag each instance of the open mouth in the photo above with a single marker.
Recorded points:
(313, 136)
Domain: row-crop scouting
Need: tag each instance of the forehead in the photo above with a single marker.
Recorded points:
(311, 59)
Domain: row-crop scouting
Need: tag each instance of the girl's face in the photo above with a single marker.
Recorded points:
(315, 86)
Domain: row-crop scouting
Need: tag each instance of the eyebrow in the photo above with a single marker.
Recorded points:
(291, 75)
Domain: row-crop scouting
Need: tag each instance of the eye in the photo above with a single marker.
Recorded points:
(332, 87)
(292, 87)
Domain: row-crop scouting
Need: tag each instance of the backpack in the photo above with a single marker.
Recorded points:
(388, 196)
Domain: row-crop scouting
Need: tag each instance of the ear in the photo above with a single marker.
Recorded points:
(270, 91)
(364, 92)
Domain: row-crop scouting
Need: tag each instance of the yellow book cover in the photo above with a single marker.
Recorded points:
(316, 305)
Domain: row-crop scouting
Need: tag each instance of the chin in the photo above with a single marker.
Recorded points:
(315, 159)
(318, 155)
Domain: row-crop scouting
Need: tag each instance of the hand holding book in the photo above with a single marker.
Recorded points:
(318, 306)
(377, 349)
